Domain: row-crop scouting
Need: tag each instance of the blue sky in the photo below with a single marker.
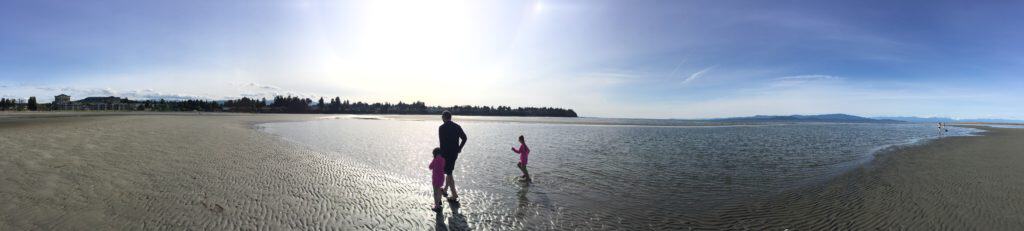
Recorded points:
(648, 59)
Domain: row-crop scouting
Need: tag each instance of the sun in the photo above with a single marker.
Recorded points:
(416, 35)
(409, 46)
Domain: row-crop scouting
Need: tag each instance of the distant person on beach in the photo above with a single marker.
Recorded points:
(437, 177)
(524, 153)
(449, 135)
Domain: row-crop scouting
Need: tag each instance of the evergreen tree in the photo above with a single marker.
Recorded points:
(32, 105)
(320, 105)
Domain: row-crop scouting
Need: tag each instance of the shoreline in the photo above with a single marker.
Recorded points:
(927, 186)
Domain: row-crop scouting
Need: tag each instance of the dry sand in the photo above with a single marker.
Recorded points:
(957, 183)
(98, 171)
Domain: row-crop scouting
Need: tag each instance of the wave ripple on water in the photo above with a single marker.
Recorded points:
(595, 176)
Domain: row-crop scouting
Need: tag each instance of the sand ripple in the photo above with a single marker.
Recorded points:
(184, 172)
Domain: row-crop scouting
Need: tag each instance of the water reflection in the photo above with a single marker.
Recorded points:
(523, 200)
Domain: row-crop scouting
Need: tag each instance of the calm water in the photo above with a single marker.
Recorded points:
(607, 176)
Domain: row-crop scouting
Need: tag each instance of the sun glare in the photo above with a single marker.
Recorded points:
(408, 46)
(417, 34)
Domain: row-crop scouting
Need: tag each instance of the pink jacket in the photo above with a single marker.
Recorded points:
(437, 171)
(524, 153)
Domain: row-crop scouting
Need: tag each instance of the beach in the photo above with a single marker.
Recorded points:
(955, 183)
(185, 171)
(219, 171)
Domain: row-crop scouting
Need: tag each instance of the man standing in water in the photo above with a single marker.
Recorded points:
(449, 134)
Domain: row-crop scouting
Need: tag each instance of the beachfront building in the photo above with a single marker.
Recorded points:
(62, 98)
(106, 103)
(63, 102)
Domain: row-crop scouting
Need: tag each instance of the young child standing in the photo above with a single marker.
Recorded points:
(524, 153)
(437, 177)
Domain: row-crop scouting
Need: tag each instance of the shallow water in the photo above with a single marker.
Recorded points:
(606, 176)
(1001, 125)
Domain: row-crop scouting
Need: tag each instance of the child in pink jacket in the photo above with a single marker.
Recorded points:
(524, 154)
(437, 177)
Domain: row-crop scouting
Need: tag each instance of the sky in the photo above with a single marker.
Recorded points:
(632, 59)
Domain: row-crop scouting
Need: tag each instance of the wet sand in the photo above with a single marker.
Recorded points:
(956, 183)
(216, 171)
(186, 171)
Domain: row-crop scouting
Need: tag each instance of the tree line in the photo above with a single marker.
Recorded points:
(14, 105)
(294, 104)
(8, 104)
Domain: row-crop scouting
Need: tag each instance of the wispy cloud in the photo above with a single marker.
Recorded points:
(609, 78)
(697, 75)
(809, 78)
(676, 69)
(261, 86)
(789, 81)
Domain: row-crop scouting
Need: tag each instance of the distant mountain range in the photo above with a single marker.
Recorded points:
(947, 120)
(844, 118)
(827, 118)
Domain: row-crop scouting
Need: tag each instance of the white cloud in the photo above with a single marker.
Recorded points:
(609, 78)
(809, 78)
(261, 86)
(697, 74)
(676, 69)
(788, 81)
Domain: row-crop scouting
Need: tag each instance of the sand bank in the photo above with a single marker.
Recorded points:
(186, 171)
(960, 183)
